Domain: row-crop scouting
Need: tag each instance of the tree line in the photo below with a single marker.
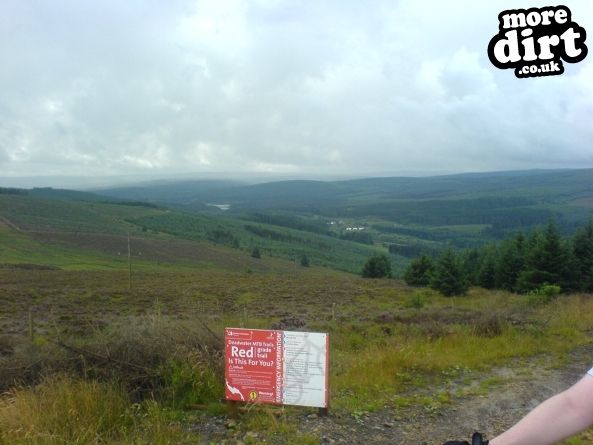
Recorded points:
(521, 263)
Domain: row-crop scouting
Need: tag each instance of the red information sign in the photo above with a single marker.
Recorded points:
(278, 367)
(253, 365)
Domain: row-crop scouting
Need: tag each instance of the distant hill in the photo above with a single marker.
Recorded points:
(168, 192)
(502, 200)
(94, 225)
(562, 186)
(50, 192)
(336, 224)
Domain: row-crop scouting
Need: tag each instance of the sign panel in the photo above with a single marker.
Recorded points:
(305, 367)
(278, 367)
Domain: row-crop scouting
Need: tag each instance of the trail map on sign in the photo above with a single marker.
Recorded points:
(279, 367)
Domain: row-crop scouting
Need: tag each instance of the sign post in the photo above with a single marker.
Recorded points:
(277, 367)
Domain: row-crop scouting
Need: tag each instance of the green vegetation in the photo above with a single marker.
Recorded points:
(88, 355)
(305, 261)
(44, 214)
(130, 365)
(582, 249)
(542, 261)
(410, 215)
(377, 266)
(448, 276)
(57, 227)
(419, 272)
(255, 253)
(63, 409)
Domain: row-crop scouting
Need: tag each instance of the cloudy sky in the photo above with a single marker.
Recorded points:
(314, 87)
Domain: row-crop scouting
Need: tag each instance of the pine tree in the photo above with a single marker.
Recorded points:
(582, 247)
(419, 271)
(448, 277)
(547, 261)
(305, 261)
(471, 265)
(377, 266)
(487, 271)
(511, 262)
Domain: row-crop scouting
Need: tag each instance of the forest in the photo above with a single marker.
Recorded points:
(521, 263)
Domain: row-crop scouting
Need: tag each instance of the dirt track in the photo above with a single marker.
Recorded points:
(522, 387)
(519, 388)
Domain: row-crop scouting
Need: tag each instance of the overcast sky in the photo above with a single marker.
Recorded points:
(116, 87)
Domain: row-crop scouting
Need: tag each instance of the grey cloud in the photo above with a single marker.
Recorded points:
(324, 87)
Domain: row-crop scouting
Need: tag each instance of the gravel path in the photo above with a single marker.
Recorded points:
(517, 389)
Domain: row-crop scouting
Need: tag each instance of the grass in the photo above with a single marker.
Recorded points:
(63, 409)
(34, 213)
(276, 241)
(67, 227)
(377, 365)
(93, 251)
(387, 350)
(18, 248)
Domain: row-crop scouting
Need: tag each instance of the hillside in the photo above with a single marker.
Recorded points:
(408, 366)
(408, 215)
(144, 356)
(336, 224)
(43, 227)
(559, 186)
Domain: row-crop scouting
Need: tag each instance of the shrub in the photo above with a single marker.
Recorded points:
(377, 266)
(136, 352)
(189, 382)
(488, 326)
(417, 300)
(543, 294)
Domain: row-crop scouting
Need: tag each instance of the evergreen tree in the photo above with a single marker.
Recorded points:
(377, 266)
(582, 247)
(487, 271)
(305, 261)
(419, 271)
(448, 277)
(510, 264)
(256, 253)
(547, 261)
(471, 265)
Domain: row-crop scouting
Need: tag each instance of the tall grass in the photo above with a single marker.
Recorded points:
(369, 375)
(64, 410)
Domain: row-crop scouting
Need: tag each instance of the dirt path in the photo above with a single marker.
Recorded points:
(516, 390)
(519, 388)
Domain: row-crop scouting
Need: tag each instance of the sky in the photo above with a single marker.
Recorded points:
(335, 87)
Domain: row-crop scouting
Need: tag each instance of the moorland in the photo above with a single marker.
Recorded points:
(113, 304)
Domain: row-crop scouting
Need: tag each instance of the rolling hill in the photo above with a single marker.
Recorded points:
(51, 230)
(336, 224)
(408, 215)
